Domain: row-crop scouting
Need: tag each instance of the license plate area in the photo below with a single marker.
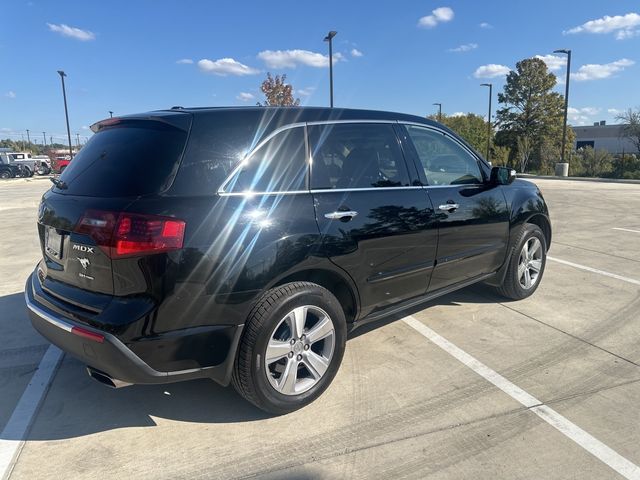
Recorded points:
(53, 242)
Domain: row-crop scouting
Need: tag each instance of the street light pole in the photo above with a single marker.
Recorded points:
(66, 111)
(110, 114)
(490, 85)
(439, 111)
(566, 99)
(329, 38)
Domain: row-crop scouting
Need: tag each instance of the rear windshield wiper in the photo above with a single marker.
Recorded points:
(58, 183)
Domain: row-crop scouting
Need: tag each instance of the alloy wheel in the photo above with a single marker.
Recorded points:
(530, 263)
(300, 350)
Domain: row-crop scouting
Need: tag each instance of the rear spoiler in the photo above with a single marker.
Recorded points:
(181, 121)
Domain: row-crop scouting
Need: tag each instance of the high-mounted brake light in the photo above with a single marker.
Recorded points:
(125, 234)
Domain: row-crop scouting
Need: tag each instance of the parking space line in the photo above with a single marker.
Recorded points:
(583, 439)
(595, 270)
(14, 432)
(626, 230)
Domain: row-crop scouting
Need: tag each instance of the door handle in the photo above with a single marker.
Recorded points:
(449, 207)
(340, 214)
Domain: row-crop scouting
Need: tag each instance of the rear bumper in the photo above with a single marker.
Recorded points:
(111, 355)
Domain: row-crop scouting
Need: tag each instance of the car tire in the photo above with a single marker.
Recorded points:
(278, 368)
(28, 172)
(526, 264)
(62, 169)
(5, 174)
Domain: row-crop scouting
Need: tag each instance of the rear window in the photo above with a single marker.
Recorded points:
(130, 159)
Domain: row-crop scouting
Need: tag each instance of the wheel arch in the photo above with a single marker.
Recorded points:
(338, 285)
(545, 225)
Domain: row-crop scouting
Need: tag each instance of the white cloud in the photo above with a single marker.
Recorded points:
(305, 92)
(624, 26)
(582, 116)
(72, 32)
(225, 66)
(485, 25)
(458, 114)
(439, 15)
(184, 61)
(85, 127)
(491, 70)
(245, 96)
(596, 71)
(293, 58)
(554, 62)
(614, 111)
(467, 47)
(356, 53)
(10, 94)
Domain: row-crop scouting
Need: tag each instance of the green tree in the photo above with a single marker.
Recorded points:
(593, 163)
(631, 126)
(471, 127)
(277, 92)
(532, 115)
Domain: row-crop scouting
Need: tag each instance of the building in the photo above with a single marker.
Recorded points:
(601, 136)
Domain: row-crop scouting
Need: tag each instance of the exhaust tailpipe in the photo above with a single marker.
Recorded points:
(105, 379)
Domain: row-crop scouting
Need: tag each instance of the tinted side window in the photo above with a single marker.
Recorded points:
(445, 162)
(356, 155)
(279, 165)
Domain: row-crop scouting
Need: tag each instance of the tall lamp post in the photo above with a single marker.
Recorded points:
(66, 112)
(566, 99)
(110, 114)
(329, 38)
(439, 111)
(490, 85)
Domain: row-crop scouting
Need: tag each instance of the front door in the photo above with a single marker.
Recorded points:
(473, 219)
(374, 223)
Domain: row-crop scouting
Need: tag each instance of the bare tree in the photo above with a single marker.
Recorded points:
(631, 126)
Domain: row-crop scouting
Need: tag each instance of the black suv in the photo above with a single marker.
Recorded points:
(242, 244)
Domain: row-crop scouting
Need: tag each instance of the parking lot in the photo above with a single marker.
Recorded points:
(469, 386)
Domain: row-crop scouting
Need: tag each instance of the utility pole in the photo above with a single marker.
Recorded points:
(566, 99)
(77, 140)
(329, 38)
(44, 139)
(28, 137)
(66, 111)
(490, 85)
(439, 111)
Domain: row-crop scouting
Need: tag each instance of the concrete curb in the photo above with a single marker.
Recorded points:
(580, 179)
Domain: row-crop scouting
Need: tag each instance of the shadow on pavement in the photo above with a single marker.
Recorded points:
(76, 405)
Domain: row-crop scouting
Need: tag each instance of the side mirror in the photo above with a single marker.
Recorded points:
(502, 176)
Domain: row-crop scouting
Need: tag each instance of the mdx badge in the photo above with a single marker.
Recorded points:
(83, 248)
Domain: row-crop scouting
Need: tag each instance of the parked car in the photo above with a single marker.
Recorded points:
(43, 164)
(60, 163)
(9, 170)
(22, 159)
(242, 244)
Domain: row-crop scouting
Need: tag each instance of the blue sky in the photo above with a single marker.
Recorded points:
(401, 56)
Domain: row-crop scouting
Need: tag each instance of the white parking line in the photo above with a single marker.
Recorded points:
(595, 270)
(626, 230)
(591, 444)
(12, 437)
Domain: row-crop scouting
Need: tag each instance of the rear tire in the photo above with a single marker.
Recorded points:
(291, 348)
(5, 174)
(526, 264)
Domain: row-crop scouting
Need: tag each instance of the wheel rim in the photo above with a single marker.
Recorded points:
(530, 263)
(300, 350)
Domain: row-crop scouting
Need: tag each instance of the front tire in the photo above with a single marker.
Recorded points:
(291, 348)
(526, 264)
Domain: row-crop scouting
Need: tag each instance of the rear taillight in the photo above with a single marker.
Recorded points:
(124, 234)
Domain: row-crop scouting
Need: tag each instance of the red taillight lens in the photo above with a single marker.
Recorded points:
(122, 234)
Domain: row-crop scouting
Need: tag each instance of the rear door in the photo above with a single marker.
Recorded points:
(472, 216)
(374, 223)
